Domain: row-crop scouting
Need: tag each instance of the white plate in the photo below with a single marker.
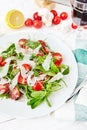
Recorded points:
(17, 108)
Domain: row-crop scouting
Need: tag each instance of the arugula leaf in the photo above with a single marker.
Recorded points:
(66, 69)
(48, 102)
(20, 56)
(10, 48)
(53, 67)
(10, 51)
(32, 44)
(34, 102)
(40, 59)
(6, 95)
(11, 72)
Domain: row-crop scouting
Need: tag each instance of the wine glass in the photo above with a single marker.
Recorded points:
(79, 14)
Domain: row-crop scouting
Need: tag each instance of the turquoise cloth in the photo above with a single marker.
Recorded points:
(80, 53)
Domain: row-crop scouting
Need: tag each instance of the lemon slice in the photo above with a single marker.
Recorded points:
(15, 19)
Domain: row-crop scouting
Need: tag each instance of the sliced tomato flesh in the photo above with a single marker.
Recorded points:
(15, 93)
(58, 58)
(22, 80)
(42, 43)
(4, 88)
(38, 86)
(27, 67)
(22, 43)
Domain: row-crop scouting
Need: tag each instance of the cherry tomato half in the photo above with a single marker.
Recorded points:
(56, 20)
(74, 26)
(40, 53)
(36, 16)
(38, 86)
(1, 59)
(22, 80)
(27, 67)
(4, 88)
(22, 43)
(15, 93)
(42, 43)
(2, 63)
(37, 24)
(63, 15)
(28, 22)
(54, 12)
(58, 58)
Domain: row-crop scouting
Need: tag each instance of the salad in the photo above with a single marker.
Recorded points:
(31, 69)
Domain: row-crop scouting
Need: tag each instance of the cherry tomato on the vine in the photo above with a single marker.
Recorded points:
(28, 22)
(37, 23)
(54, 12)
(64, 15)
(56, 20)
(36, 16)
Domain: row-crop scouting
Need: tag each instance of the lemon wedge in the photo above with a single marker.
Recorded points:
(15, 19)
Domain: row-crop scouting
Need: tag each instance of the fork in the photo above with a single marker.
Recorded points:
(82, 85)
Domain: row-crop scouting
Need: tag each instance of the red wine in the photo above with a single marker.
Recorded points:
(79, 12)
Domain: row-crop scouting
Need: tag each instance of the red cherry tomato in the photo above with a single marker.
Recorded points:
(15, 93)
(2, 63)
(42, 43)
(28, 22)
(1, 59)
(56, 20)
(38, 86)
(27, 67)
(22, 80)
(58, 58)
(40, 53)
(36, 16)
(4, 88)
(58, 62)
(37, 24)
(22, 43)
(74, 26)
(63, 15)
(54, 12)
(46, 50)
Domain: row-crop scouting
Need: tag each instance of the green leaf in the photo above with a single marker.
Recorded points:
(53, 67)
(48, 102)
(50, 73)
(65, 69)
(20, 56)
(32, 44)
(40, 59)
(10, 51)
(5, 95)
(34, 102)
(10, 48)
(12, 72)
(36, 94)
